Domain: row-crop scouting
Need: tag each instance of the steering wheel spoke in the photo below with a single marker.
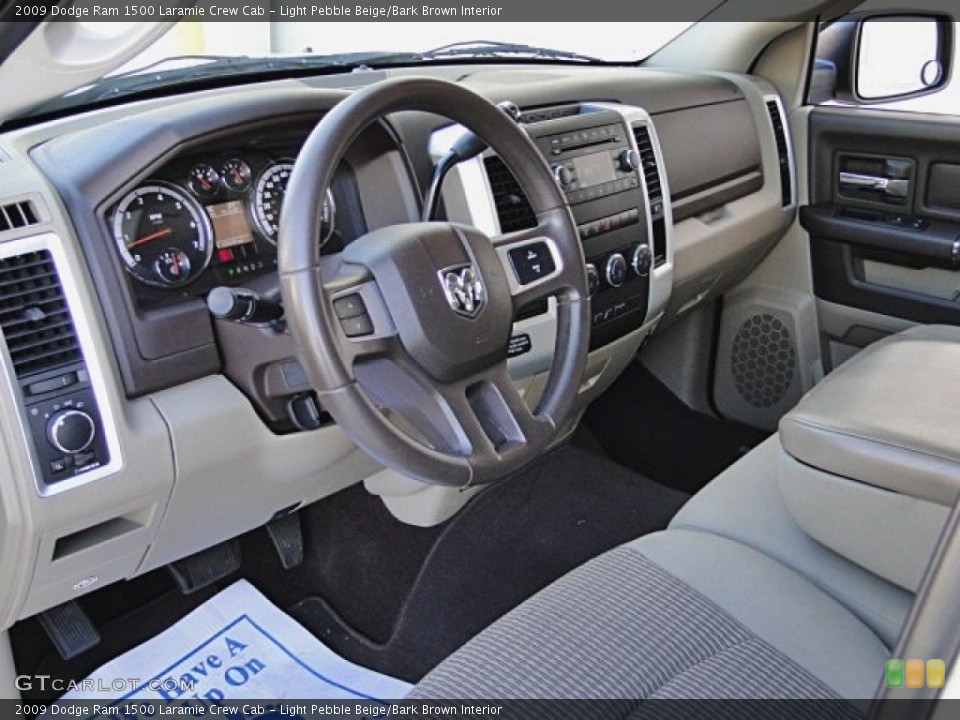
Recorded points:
(534, 264)
(482, 418)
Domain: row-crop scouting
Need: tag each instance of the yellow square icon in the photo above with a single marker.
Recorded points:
(935, 673)
(914, 677)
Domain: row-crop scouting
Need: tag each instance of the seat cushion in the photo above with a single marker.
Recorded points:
(677, 614)
(745, 504)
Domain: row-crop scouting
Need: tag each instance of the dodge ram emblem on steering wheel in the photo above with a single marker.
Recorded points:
(464, 289)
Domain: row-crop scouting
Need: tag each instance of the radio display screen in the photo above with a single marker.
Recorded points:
(230, 226)
(595, 169)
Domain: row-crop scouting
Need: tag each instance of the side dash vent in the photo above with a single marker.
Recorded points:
(34, 316)
(651, 173)
(783, 151)
(513, 209)
(17, 215)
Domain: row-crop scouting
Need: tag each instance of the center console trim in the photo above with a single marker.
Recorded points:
(661, 278)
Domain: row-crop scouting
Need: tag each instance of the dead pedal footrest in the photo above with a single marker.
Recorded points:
(206, 567)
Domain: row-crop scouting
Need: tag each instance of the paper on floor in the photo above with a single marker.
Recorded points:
(237, 645)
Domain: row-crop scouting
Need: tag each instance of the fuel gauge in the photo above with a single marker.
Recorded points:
(172, 266)
(204, 181)
(236, 175)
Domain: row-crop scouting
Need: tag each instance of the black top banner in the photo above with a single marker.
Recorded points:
(429, 11)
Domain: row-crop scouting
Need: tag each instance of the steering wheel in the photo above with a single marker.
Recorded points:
(404, 334)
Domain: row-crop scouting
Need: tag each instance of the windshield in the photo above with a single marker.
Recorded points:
(608, 42)
(194, 54)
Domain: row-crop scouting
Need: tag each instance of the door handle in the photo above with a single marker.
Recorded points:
(894, 187)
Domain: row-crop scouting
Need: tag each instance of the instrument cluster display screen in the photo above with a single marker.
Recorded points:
(230, 226)
(595, 169)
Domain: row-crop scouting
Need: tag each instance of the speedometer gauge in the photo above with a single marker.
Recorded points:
(163, 235)
(268, 197)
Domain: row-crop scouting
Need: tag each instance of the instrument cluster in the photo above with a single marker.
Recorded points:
(214, 216)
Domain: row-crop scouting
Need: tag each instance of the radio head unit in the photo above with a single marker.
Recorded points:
(590, 162)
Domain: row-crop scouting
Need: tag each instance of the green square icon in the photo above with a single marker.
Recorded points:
(894, 673)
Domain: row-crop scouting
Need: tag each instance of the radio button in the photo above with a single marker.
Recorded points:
(629, 160)
(563, 176)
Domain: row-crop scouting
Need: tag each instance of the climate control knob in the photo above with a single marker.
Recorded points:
(563, 176)
(71, 431)
(616, 270)
(629, 160)
(642, 260)
(593, 278)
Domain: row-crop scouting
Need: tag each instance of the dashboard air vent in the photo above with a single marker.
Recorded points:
(513, 209)
(34, 316)
(783, 153)
(651, 172)
(17, 215)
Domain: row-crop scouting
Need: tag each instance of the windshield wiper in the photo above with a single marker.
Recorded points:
(495, 48)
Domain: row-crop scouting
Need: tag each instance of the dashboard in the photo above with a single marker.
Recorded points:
(195, 417)
(211, 218)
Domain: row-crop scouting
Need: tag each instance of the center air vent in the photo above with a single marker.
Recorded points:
(34, 316)
(513, 209)
(17, 215)
(651, 173)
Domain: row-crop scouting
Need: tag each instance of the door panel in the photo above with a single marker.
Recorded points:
(884, 215)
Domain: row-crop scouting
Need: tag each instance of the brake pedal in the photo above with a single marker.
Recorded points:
(70, 629)
(206, 567)
(287, 539)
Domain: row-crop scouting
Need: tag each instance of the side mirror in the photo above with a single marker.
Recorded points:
(900, 56)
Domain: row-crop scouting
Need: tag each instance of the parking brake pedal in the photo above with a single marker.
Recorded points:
(69, 629)
(206, 567)
(287, 538)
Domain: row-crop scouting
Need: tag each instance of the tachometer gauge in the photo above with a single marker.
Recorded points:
(236, 175)
(163, 235)
(204, 181)
(268, 197)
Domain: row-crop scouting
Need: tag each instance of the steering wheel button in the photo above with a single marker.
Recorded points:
(532, 262)
(357, 326)
(349, 306)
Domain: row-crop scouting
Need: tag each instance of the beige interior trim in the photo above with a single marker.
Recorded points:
(8, 672)
(889, 534)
